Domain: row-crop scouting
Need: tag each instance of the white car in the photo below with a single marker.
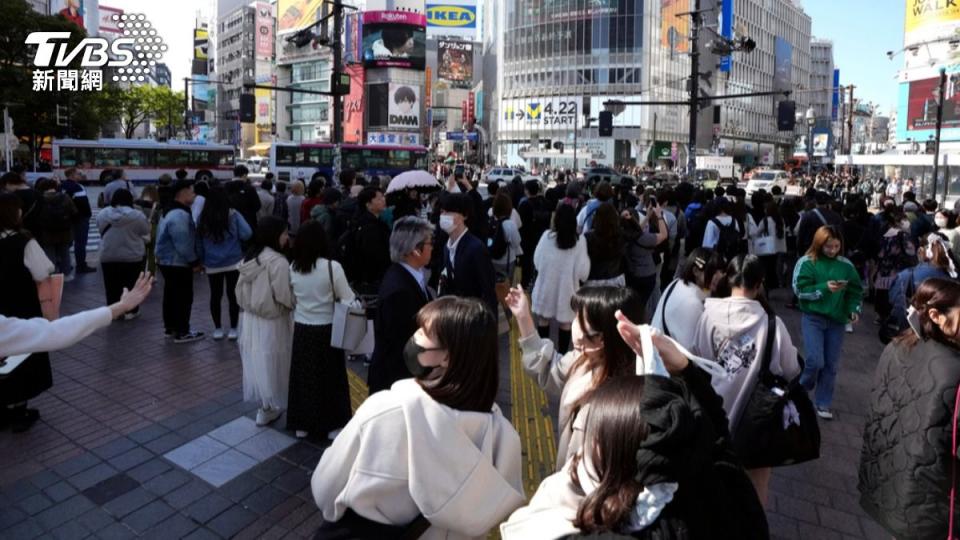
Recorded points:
(257, 164)
(503, 175)
(766, 179)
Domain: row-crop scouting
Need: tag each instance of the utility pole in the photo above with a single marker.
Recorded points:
(942, 90)
(337, 134)
(850, 108)
(694, 88)
(186, 108)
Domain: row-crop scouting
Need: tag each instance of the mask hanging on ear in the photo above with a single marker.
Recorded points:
(913, 319)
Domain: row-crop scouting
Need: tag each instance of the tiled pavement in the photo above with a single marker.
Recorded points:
(108, 458)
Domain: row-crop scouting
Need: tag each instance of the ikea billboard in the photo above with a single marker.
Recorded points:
(452, 18)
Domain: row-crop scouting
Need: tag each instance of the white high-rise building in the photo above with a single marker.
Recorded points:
(821, 77)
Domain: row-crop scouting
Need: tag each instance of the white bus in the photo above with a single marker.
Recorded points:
(143, 161)
(919, 167)
(306, 161)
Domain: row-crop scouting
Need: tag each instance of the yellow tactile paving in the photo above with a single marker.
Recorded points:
(358, 389)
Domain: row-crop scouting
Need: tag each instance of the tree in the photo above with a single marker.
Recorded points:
(166, 108)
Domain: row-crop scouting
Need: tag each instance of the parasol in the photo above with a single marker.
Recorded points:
(420, 180)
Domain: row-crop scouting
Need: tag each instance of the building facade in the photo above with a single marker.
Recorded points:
(781, 60)
(821, 77)
(235, 66)
(560, 65)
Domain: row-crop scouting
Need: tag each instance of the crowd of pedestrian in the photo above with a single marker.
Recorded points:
(677, 382)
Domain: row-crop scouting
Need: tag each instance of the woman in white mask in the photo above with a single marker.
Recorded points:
(599, 353)
(946, 222)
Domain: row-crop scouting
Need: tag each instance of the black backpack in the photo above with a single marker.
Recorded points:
(53, 214)
(728, 244)
(498, 239)
(346, 251)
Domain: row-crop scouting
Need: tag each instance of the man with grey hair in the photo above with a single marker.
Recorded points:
(402, 293)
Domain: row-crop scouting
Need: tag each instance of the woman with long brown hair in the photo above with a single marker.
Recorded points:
(909, 458)
(828, 287)
(655, 464)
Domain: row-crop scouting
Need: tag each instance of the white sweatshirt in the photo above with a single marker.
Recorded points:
(21, 336)
(404, 454)
(685, 306)
(732, 331)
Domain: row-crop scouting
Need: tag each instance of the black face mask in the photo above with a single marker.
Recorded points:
(411, 356)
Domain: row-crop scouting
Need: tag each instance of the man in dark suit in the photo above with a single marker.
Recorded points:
(468, 270)
(403, 292)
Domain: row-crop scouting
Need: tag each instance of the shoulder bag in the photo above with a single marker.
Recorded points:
(778, 426)
(766, 244)
(663, 311)
(349, 320)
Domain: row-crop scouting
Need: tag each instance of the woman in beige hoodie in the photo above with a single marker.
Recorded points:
(432, 451)
(732, 331)
(266, 325)
(599, 353)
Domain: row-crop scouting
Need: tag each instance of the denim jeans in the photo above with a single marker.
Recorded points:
(81, 233)
(822, 339)
(59, 255)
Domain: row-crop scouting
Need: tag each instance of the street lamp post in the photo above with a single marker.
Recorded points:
(941, 90)
(811, 120)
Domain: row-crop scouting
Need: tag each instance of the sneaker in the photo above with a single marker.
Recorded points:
(131, 315)
(69, 277)
(188, 337)
(301, 434)
(217, 334)
(265, 416)
(849, 328)
(824, 413)
(333, 434)
(168, 334)
(232, 335)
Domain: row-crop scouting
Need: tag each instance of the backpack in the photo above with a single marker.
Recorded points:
(346, 251)
(53, 214)
(497, 243)
(728, 244)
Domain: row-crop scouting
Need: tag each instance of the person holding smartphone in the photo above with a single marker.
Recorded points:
(829, 292)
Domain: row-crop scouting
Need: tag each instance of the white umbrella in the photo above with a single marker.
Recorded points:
(420, 180)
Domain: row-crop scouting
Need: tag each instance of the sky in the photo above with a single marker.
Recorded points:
(862, 32)
(174, 21)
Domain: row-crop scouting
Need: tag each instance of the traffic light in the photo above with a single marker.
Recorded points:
(248, 104)
(786, 115)
(340, 83)
(606, 124)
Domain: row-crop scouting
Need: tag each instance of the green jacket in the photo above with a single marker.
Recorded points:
(810, 285)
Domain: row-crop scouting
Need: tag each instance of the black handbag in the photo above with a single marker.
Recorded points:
(760, 438)
(353, 526)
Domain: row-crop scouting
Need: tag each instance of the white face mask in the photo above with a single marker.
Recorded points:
(447, 224)
(940, 221)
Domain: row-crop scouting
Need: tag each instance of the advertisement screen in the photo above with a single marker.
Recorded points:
(377, 97)
(928, 20)
(455, 62)
(452, 18)
(922, 104)
(674, 29)
(295, 14)
(394, 39)
(782, 64)
(821, 144)
(404, 106)
(548, 113)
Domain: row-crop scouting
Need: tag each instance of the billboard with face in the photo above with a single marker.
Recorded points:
(403, 109)
(455, 62)
(394, 39)
(296, 14)
(674, 29)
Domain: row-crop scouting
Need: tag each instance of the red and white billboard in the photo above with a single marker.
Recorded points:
(353, 106)
(264, 31)
(108, 25)
(922, 104)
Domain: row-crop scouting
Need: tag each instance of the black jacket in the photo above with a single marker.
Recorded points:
(472, 273)
(689, 444)
(905, 465)
(809, 224)
(400, 299)
(372, 250)
(244, 199)
(535, 213)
